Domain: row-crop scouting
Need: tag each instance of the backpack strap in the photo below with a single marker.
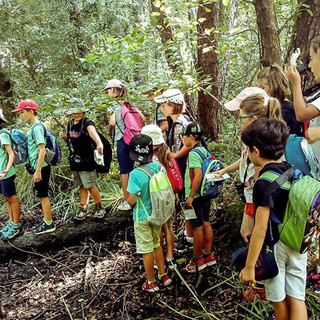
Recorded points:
(201, 154)
(44, 129)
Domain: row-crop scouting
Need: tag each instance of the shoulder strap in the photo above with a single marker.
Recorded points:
(200, 153)
(146, 170)
(44, 130)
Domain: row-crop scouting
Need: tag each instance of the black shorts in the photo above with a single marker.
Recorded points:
(8, 187)
(202, 210)
(41, 188)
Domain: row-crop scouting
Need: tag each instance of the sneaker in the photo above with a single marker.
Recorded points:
(12, 232)
(150, 287)
(99, 212)
(171, 264)
(253, 292)
(44, 228)
(165, 280)
(7, 227)
(124, 206)
(82, 214)
(183, 245)
(192, 266)
(210, 260)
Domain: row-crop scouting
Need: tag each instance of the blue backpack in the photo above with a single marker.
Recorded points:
(19, 144)
(53, 150)
(209, 189)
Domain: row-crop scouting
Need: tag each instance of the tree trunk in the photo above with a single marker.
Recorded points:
(306, 28)
(269, 32)
(64, 235)
(209, 112)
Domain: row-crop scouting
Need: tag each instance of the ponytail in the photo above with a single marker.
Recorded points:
(164, 154)
(274, 109)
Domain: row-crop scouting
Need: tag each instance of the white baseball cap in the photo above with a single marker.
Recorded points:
(234, 104)
(154, 132)
(171, 95)
(113, 83)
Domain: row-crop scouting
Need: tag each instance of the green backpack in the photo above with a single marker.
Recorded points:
(161, 195)
(301, 222)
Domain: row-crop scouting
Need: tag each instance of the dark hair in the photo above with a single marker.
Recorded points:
(269, 136)
(176, 107)
(315, 44)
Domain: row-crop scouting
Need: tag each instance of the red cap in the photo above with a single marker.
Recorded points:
(26, 105)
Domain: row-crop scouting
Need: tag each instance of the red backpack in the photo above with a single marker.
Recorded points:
(132, 121)
(174, 175)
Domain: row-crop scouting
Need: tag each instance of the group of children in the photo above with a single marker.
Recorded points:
(266, 117)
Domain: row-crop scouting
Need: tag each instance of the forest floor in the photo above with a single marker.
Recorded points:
(102, 278)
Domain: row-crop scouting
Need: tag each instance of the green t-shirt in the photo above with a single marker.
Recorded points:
(35, 137)
(5, 140)
(194, 161)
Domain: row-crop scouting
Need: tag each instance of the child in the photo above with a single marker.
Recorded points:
(162, 154)
(275, 82)
(82, 139)
(201, 227)
(7, 185)
(115, 89)
(147, 235)
(266, 140)
(309, 109)
(172, 105)
(28, 110)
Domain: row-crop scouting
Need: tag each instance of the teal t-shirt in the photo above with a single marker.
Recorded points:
(139, 185)
(35, 137)
(194, 161)
(5, 140)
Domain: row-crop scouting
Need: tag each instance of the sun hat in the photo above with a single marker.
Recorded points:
(234, 104)
(154, 132)
(113, 83)
(77, 106)
(141, 148)
(171, 95)
(26, 105)
(192, 128)
(2, 118)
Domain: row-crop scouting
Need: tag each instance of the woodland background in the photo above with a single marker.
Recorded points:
(56, 49)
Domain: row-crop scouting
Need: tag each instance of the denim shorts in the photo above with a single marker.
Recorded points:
(125, 163)
(41, 188)
(8, 187)
(147, 236)
(202, 210)
(86, 179)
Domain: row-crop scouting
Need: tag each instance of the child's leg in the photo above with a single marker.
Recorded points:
(13, 208)
(95, 193)
(318, 266)
(84, 196)
(169, 235)
(297, 309)
(158, 257)
(198, 240)
(124, 183)
(246, 226)
(281, 310)
(208, 237)
(46, 208)
(9, 207)
(189, 229)
(149, 265)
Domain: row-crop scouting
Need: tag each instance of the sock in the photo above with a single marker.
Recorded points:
(190, 239)
(47, 222)
(98, 204)
(16, 225)
(151, 281)
(318, 269)
(160, 276)
(206, 254)
(84, 205)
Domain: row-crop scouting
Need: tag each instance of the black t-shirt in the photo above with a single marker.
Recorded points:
(277, 201)
(289, 116)
(81, 146)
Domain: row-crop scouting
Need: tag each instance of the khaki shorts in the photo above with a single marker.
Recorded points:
(87, 179)
(147, 236)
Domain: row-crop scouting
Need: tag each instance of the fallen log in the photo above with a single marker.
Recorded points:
(65, 234)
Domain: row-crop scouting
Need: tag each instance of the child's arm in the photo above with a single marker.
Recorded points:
(182, 152)
(304, 112)
(11, 156)
(112, 123)
(131, 199)
(256, 242)
(195, 185)
(233, 167)
(142, 117)
(95, 137)
(313, 134)
(42, 152)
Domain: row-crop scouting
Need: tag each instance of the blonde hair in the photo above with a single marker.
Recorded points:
(256, 105)
(277, 80)
(315, 44)
(164, 154)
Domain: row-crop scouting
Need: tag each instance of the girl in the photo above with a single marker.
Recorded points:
(162, 154)
(115, 89)
(309, 109)
(172, 105)
(275, 82)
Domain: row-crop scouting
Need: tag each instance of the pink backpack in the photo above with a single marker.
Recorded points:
(132, 121)
(174, 175)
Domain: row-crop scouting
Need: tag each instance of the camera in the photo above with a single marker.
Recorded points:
(29, 168)
(303, 68)
(240, 189)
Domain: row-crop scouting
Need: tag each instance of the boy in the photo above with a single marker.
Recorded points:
(7, 185)
(28, 110)
(83, 139)
(202, 230)
(266, 140)
(147, 235)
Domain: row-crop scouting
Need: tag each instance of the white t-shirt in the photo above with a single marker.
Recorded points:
(243, 167)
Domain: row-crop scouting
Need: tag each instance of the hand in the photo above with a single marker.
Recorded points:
(293, 76)
(189, 202)
(247, 275)
(37, 177)
(100, 148)
(3, 173)
(313, 135)
(221, 172)
(63, 135)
